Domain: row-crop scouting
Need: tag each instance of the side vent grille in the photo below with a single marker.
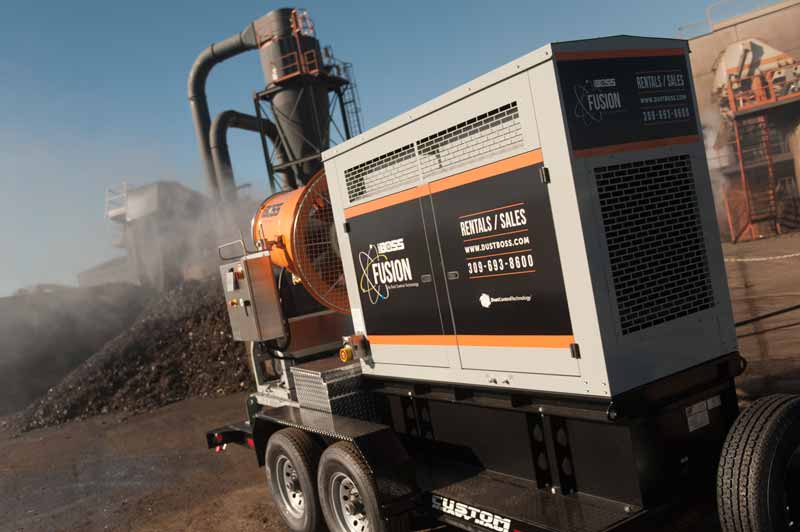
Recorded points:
(390, 170)
(655, 241)
(490, 132)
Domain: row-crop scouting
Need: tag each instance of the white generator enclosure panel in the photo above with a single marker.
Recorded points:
(546, 227)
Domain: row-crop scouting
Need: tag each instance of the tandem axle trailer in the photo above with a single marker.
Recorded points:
(507, 309)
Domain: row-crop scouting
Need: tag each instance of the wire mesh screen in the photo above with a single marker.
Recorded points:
(487, 133)
(317, 249)
(390, 170)
(655, 241)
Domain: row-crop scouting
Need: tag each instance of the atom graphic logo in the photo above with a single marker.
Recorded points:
(376, 292)
(582, 110)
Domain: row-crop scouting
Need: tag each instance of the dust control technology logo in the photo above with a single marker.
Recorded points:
(469, 514)
(596, 98)
(379, 272)
(486, 300)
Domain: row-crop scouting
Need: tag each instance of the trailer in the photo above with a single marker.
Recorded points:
(507, 309)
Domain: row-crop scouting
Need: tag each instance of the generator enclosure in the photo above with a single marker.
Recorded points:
(546, 227)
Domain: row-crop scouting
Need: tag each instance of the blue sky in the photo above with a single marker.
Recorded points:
(93, 93)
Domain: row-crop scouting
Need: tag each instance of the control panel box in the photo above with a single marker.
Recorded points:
(252, 299)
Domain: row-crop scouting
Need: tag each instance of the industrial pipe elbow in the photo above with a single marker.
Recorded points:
(220, 154)
(196, 88)
(216, 53)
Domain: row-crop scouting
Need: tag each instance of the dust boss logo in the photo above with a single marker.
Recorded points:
(486, 300)
(596, 98)
(379, 272)
(471, 514)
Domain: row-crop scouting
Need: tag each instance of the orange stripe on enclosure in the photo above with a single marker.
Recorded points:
(412, 339)
(387, 201)
(490, 170)
(609, 54)
(534, 340)
(476, 340)
(633, 146)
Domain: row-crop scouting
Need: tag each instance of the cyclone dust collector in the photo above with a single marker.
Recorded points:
(304, 82)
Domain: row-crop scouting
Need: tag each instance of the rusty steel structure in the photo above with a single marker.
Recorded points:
(294, 112)
(306, 85)
(759, 99)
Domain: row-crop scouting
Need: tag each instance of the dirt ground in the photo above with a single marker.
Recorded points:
(151, 472)
(763, 277)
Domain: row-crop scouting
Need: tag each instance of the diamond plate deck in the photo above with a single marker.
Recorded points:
(520, 500)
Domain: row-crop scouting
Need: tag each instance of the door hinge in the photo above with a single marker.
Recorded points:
(575, 351)
(544, 174)
(346, 227)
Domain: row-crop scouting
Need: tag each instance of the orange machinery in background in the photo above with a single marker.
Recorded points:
(759, 96)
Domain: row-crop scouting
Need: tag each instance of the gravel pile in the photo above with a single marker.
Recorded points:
(181, 346)
(48, 332)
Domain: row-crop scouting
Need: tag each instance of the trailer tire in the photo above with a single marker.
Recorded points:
(349, 495)
(291, 460)
(758, 480)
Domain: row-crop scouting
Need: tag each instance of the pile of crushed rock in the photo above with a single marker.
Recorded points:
(179, 347)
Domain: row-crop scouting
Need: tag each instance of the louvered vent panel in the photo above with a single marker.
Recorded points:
(377, 175)
(655, 241)
(494, 131)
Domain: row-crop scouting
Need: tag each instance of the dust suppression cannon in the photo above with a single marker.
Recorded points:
(506, 308)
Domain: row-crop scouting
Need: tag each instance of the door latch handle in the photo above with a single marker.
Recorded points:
(452, 276)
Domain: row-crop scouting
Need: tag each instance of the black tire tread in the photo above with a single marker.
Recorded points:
(310, 454)
(305, 445)
(400, 523)
(746, 452)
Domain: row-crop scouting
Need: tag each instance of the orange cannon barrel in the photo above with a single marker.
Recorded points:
(297, 228)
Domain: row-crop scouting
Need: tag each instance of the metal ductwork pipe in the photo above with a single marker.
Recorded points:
(220, 154)
(216, 53)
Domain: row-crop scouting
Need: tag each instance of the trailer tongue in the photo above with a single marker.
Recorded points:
(507, 308)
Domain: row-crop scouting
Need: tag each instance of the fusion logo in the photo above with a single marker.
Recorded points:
(595, 98)
(379, 272)
(471, 514)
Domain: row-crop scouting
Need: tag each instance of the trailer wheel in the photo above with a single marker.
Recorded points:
(349, 495)
(758, 481)
(291, 461)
